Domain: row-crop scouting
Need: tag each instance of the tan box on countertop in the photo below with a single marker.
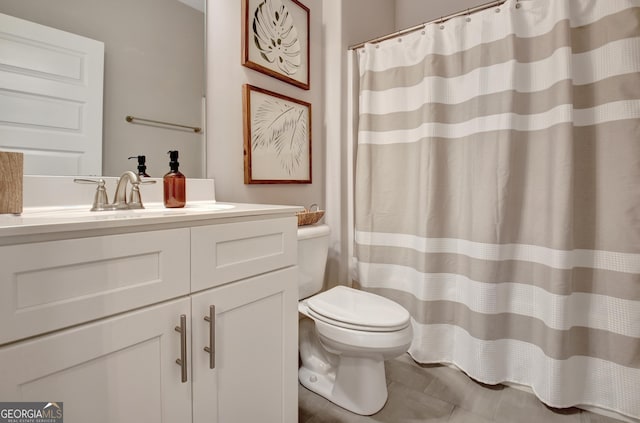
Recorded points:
(11, 182)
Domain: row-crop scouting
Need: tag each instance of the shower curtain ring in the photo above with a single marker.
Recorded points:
(468, 16)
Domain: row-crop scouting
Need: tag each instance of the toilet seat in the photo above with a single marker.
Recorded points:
(357, 310)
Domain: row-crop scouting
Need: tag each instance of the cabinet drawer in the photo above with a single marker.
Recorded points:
(227, 252)
(50, 285)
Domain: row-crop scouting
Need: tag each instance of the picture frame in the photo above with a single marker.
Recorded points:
(277, 138)
(275, 39)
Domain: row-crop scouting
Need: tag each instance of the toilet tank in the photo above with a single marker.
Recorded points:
(313, 246)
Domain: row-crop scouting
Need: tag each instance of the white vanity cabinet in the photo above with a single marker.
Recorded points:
(95, 322)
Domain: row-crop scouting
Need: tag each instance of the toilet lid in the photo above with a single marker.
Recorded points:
(355, 309)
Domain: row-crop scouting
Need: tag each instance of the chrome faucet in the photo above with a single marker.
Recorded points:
(120, 200)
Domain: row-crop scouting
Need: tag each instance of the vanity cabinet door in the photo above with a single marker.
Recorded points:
(254, 378)
(122, 369)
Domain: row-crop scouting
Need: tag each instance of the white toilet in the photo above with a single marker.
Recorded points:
(346, 334)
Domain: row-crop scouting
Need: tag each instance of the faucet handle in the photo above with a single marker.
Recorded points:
(100, 200)
(135, 201)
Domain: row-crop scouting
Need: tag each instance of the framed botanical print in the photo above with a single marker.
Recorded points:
(275, 39)
(277, 138)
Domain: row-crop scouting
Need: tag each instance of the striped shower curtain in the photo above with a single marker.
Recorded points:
(498, 195)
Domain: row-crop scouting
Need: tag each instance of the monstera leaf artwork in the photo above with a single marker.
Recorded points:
(275, 39)
(277, 138)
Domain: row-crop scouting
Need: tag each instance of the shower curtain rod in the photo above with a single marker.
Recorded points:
(422, 25)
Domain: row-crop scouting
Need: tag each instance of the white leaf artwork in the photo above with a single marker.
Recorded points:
(281, 127)
(276, 37)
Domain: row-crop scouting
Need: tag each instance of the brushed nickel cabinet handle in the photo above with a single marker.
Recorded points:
(211, 349)
(182, 361)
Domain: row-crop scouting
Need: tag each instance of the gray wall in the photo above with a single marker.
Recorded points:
(345, 23)
(367, 19)
(335, 24)
(226, 75)
(154, 68)
(414, 12)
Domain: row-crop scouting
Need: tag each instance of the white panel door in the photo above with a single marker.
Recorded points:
(120, 369)
(51, 88)
(255, 374)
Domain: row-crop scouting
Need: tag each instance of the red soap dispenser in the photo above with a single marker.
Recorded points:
(175, 184)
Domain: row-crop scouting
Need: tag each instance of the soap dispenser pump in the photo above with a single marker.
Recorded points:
(142, 167)
(174, 184)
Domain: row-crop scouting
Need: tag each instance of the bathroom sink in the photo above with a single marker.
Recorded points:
(190, 207)
(83, 212)
(207, 206)
(150, 210)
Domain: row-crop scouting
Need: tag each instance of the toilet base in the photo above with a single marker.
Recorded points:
(358, 384)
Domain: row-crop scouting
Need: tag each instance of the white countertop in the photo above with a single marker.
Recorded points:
(57, 207)
(48, 220)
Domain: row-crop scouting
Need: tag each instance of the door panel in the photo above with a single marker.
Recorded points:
(256, 328)
(51, 90)
(120, 369)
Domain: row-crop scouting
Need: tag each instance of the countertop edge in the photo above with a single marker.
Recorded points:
(239, 210)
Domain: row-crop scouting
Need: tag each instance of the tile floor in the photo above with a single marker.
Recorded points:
(434, 393)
